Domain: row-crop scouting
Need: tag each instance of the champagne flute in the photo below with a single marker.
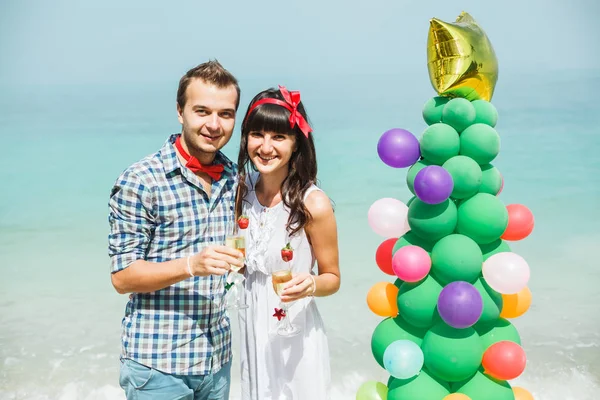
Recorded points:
(234, 278)
(279, 279)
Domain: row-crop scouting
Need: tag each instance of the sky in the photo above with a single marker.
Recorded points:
(113, 41)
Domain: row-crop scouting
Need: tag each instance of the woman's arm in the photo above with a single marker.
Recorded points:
(322, 233)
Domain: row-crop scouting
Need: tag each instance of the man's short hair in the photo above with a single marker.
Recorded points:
(210, 72)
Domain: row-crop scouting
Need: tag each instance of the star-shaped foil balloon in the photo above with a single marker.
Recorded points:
(279, 314)
(461, 59)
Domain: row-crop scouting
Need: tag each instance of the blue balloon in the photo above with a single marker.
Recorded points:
(403, 359)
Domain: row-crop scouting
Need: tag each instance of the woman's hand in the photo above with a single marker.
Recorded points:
(301, 285)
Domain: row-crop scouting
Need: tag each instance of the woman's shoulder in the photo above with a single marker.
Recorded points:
(317, 201)
(312, 189)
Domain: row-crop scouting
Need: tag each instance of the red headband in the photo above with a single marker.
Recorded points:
(292, 99)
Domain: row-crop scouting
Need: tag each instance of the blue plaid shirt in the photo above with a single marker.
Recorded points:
(159, 212)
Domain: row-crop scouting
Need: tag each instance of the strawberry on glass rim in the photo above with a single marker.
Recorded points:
(243, 222)
(287, 253)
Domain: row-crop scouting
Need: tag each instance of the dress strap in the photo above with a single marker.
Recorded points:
(311, 189)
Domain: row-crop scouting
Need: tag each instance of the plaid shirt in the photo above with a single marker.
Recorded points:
(159, 212)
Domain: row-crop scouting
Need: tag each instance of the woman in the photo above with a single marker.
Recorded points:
(290, 226)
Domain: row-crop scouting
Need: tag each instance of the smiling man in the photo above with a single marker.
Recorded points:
(169, 214)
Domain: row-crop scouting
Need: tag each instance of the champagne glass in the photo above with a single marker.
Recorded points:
(234, 278)
(280, 278)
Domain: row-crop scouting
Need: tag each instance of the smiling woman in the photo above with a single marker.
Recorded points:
(291, 226)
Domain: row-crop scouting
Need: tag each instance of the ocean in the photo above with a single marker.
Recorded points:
(63, 147)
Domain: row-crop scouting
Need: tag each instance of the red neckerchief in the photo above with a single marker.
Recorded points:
(213, 170)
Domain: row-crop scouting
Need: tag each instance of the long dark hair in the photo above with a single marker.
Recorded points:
(302, 165)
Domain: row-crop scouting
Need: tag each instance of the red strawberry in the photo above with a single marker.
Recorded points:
(287, 253)
(243, 222)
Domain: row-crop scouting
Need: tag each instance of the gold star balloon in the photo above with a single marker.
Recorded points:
(460, 59)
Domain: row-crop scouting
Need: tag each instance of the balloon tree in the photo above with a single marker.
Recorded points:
(455, 283)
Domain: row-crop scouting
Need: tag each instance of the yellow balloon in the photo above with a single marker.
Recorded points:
(522, 394)
(461, 59)
(515, 305)
(457, 396)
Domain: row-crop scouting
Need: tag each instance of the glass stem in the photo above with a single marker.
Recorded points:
(287, 325)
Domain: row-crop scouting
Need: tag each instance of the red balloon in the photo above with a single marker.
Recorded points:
(520, 222)
(504, 360)
(383, 256)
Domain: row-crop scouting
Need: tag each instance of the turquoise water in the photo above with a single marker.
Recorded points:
(64, 146)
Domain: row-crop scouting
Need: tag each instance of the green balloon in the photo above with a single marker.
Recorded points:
(439, 143)
(452, 354)
(412, 173)
(485, 113)
(422, 387)
(497, 246)
(391, 329)
(466, 174)
(456, 258)
(372, 390)
(432, 110)
(492, 302)
(417, 302)
(491, 180)
(481, 142)
(459, 113)
(497, 331)
(398, 282)
(410, 239)
(482, 387)
(410, 201)
(482, 217)
(432, 221)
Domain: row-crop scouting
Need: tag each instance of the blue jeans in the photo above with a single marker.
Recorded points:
(144, 383)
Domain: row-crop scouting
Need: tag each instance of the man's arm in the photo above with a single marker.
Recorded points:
(144, 276)
(131, 229)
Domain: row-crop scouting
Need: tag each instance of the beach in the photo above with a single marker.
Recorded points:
(65, 146)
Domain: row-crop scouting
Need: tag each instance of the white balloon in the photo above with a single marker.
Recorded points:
(506, 272)
(389, 217)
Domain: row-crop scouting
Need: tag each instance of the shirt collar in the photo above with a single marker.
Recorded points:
(171, 162)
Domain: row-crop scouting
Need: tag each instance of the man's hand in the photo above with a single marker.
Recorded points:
(215, 260)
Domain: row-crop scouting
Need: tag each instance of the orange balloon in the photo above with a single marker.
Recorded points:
(504, 360)
(522, 394)
(520, 222)
(381, 299)
(457, 396)
(515, 305)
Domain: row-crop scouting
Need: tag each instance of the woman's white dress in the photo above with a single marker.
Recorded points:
(275, 367)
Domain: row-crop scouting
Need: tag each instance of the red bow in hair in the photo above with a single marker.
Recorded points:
(292, 99)
(214, 170)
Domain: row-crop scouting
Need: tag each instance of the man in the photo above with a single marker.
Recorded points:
(169, 215)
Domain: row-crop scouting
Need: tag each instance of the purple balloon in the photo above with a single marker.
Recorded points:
(460, 304)
(433, 184)
(398, 148)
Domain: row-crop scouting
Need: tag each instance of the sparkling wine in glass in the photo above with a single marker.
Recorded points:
(235, 279)
(280, 278)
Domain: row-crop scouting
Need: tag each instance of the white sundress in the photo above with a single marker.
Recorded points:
(275, 367)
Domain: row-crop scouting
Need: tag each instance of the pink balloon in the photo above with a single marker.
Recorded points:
(411, 263)
(389, 218)
(506, 272)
